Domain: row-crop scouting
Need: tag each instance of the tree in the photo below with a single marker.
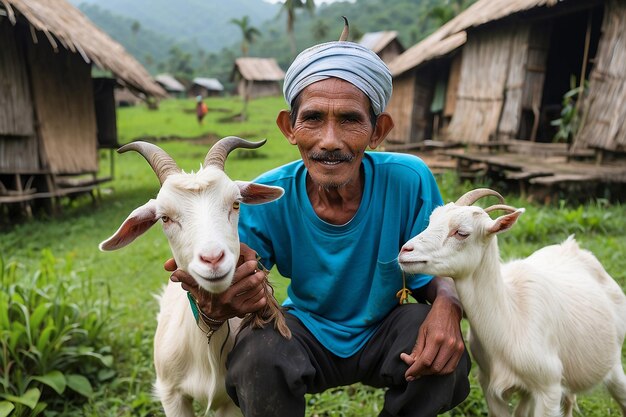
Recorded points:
(249, 33)
(448, 10)
(135, 27)
(290, 7)
(179, 63)
(320, 30)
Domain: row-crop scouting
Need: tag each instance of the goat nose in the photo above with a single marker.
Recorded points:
(213, 258)
(406, 249)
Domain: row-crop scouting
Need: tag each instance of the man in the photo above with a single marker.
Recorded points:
(336, 234)
(201, 109)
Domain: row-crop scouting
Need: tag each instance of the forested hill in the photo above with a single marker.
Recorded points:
(196, 37)
(149, 29)
(201, 22)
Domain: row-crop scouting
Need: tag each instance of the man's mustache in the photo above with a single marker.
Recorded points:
(333, 156)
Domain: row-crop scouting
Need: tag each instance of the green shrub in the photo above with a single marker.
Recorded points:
(53, 332)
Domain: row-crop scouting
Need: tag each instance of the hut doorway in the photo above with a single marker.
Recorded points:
(573, 40)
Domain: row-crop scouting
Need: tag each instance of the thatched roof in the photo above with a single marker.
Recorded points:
(211, 84)
(63, 24)
(377, 41)
(258, 69)
(170, 83)
(451, 35)
(426, 50)
(485, 11)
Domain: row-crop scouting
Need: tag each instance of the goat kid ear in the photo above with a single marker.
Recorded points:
(505, 222)
(252, 193)
(136, 224)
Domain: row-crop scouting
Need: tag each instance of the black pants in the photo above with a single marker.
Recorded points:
(268, 375)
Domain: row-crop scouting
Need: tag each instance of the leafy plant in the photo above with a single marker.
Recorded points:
(53, 327)
(570, 121)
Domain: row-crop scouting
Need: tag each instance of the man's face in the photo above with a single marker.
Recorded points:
(332, 130)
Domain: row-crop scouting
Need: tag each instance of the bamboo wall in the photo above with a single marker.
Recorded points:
(400, 107)
(453, 85)
(514, 88)
(19, 154)
(605, 108)
(257, 89)
(64, 102)
(391, 51)
(19, 151)
(410, 106)
(422, 99)
(16, 115)
(484, 72)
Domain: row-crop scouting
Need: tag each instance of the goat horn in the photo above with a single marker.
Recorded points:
(471, 197)
(346, 30)
(500, 207)
(217, 154)
(162, 164)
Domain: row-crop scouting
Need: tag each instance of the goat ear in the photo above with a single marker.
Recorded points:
(252, 193)
(505, 222)
(140, 220)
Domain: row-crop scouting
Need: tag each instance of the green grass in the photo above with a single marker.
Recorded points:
(135, 273)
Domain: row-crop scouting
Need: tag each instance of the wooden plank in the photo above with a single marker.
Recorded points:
(562, 178)
(524, 175)
(423, 145)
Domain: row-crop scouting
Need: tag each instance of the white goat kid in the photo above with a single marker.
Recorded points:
(200, 214)
(548, 326)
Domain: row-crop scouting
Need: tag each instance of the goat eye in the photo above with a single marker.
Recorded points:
(165, 219)
(236, 205)
(461, 234)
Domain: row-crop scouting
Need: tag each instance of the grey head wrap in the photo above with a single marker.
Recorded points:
(346, 60)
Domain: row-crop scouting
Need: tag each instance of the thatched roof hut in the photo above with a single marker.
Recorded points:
(206, 87)
(65, 26)
(385, 44)
(515, 68)
(170, 84)
(53, 115)
(257, 77)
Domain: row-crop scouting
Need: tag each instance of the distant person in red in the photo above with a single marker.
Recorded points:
(201, 109)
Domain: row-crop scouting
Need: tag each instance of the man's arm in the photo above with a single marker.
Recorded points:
(439, 345)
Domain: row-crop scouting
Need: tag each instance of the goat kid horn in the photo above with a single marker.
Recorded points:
(471, 197)
(162, 164)
(217, 154)
(500, 207)
(346, 30)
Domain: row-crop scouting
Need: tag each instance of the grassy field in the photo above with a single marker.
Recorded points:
(127, 280)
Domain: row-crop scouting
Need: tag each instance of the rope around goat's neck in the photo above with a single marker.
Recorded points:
(403, 294)
(205, 323)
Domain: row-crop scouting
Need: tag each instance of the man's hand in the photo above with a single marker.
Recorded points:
(245, 295)
(439, 345)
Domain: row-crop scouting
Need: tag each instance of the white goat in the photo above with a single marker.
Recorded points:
(548, 326)
(200, 214)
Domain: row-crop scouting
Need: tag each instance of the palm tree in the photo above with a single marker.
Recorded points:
(249, 33)
(135, 27)
(290, 7)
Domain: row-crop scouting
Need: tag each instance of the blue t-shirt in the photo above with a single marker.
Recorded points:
(344, 279)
